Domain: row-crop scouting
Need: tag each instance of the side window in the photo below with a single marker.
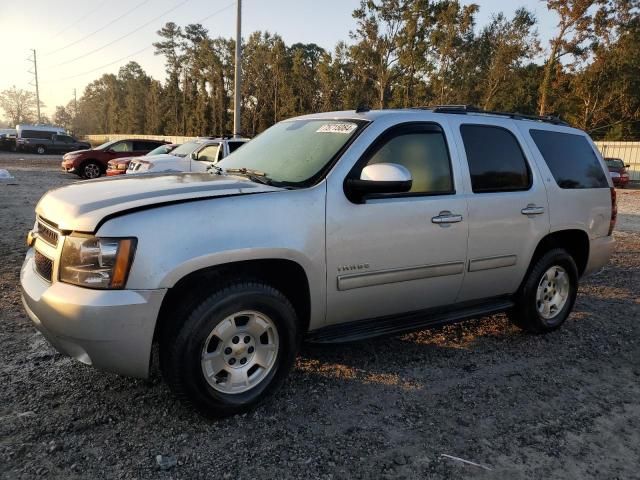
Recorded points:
(570, 158)
(140, 146)
(424, 153)
(495, 159)
(233, 146)
(209, 153)
(122, 147)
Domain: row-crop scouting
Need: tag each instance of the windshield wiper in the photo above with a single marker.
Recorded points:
(253, 175)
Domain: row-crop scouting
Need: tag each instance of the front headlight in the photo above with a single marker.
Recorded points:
(96, 262)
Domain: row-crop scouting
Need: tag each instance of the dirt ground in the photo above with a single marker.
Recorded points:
(563, 405)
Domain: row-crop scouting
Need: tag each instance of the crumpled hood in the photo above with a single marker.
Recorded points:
(83, 205)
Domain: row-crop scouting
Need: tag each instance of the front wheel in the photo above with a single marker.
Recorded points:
(40, 150)
(90, 170)
(233, 351)
(548, 293)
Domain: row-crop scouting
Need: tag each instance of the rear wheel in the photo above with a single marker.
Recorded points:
(233, 350)
(90, 170)
(548, 293)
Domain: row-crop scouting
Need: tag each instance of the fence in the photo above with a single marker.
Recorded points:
(108, 137)
(628, 152)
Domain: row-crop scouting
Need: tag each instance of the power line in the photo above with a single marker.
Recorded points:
(217, 12)
(123, 36)
(100, 29)
(78, 20)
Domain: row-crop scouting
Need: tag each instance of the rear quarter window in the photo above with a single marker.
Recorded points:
(572, 161)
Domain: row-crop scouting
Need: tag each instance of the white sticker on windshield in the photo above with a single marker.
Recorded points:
(345, 128)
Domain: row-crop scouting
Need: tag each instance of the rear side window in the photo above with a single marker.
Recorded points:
(571, 159)
(233, 146)
(496, 161)
(40, 134)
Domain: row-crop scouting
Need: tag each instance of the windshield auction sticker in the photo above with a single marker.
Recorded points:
(345, 128)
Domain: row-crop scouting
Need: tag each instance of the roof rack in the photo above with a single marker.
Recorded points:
(466, 109)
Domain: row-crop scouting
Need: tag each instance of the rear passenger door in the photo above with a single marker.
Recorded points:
(507, 204)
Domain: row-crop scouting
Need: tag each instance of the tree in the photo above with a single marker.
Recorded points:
(63, 118)
(502, 47)
(574, 29)
(18, 105)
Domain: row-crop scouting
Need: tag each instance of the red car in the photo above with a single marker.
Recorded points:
(120, 165)
(92, 163)
(618, 172)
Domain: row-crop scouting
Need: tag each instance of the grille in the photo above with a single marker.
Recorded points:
(47, 234)
(44, 266)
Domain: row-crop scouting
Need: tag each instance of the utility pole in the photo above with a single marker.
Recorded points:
(35, 72)
(75, 110)
(237, 84)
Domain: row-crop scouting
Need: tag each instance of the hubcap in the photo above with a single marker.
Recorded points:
(240, 352)
(92, 171)
(553, 292)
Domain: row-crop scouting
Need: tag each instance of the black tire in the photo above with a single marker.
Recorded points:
(90, 170)
(525, 313)
(183, 341)
(40, 150)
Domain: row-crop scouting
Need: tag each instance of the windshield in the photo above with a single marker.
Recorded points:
(186, 149)
(293, 152)
(614, 162)
(105, 145)
(160, 150)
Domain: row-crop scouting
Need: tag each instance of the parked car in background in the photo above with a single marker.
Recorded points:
(56, 144)
(8, 139)
(119, 166)
(332, 227)
(618, 172)
(195, 156)
(34, 137)
(92, 163)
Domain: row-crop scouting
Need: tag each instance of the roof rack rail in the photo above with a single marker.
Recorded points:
(465, 109)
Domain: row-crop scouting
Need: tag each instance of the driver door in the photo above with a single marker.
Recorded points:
(206, 157)
(404, 252)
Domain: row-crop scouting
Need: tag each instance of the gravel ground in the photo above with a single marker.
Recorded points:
(563, 405)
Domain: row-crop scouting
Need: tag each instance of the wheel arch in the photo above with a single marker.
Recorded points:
(287, 276)
(574, 241)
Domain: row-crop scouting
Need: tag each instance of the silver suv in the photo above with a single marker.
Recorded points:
(332, 227)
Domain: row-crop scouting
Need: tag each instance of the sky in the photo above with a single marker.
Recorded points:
(76, 41)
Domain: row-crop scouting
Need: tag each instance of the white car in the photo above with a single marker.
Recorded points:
(195, 156)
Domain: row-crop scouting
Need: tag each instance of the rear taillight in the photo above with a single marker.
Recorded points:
(614, 211)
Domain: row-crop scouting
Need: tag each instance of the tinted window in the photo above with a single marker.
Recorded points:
(496, 161)
(425, 155)
(144, 146)
(233, 146)
(570, 158)
(37, 134)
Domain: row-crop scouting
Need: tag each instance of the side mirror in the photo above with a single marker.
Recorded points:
(194, 155)
(627, 166)
(378, 178)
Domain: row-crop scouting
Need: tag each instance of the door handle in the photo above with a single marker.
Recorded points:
(446, 217)
(532, 210)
